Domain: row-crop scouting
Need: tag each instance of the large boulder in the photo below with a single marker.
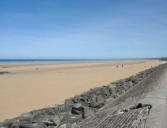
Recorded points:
(84, 111)
(68, 104)
(112, 90)
(97, 101)
(77, 109)
(27, 125)
(48, 120)
(105, 92)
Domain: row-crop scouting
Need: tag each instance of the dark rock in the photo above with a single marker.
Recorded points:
(97, 101)
(88, 112)
(27, 125)
(77, 109)
(84, 100)
(71, 118)
(48, 120)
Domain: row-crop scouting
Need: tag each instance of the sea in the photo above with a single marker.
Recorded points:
(55, 60)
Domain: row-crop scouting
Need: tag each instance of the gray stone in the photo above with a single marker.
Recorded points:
(27, 125)
(48, 120)
(68, 104)
(77, 109)
(97, 101)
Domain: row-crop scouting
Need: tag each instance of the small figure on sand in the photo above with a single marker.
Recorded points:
(122, 65)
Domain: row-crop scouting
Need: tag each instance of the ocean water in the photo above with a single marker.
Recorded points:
(54, 60)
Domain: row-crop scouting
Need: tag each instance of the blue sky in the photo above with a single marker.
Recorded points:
(83, 28)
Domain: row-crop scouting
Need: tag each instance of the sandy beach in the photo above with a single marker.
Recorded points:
(38, 84)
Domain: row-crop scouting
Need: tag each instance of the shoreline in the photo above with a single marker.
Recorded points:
(51, 69)
(105, 92)
(67, 60)
(63, 80)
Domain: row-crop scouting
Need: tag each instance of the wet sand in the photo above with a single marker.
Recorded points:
(36, 85)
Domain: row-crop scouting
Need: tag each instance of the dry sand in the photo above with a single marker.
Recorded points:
(36, 85)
